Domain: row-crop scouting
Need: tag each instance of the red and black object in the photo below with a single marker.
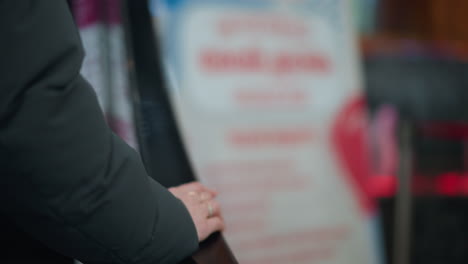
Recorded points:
(426, 209)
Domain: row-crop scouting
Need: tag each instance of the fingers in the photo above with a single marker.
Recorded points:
(210, 226)
(197, 187)
(202, 206)
(193, 186)
(200, 197)
(205, 196)
(213, 209)
(215, 224)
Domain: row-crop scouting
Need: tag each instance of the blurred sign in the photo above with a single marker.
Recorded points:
(248, 60)
(268, 96)
(104, 63)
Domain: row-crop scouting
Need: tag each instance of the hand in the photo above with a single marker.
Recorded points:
(205, 211)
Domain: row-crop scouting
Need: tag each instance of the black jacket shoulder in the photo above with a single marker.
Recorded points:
(66, 179)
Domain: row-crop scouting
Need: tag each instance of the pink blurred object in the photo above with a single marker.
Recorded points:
(385, 159)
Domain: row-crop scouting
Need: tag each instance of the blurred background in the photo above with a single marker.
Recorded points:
(412, 57)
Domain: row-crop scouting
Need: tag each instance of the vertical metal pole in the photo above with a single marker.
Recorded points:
(403, 199)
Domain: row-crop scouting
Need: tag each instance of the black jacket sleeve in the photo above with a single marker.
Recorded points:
(64, 177)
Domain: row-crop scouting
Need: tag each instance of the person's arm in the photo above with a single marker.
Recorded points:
(66, 178)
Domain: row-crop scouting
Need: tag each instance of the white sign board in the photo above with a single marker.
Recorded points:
(268, 96)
